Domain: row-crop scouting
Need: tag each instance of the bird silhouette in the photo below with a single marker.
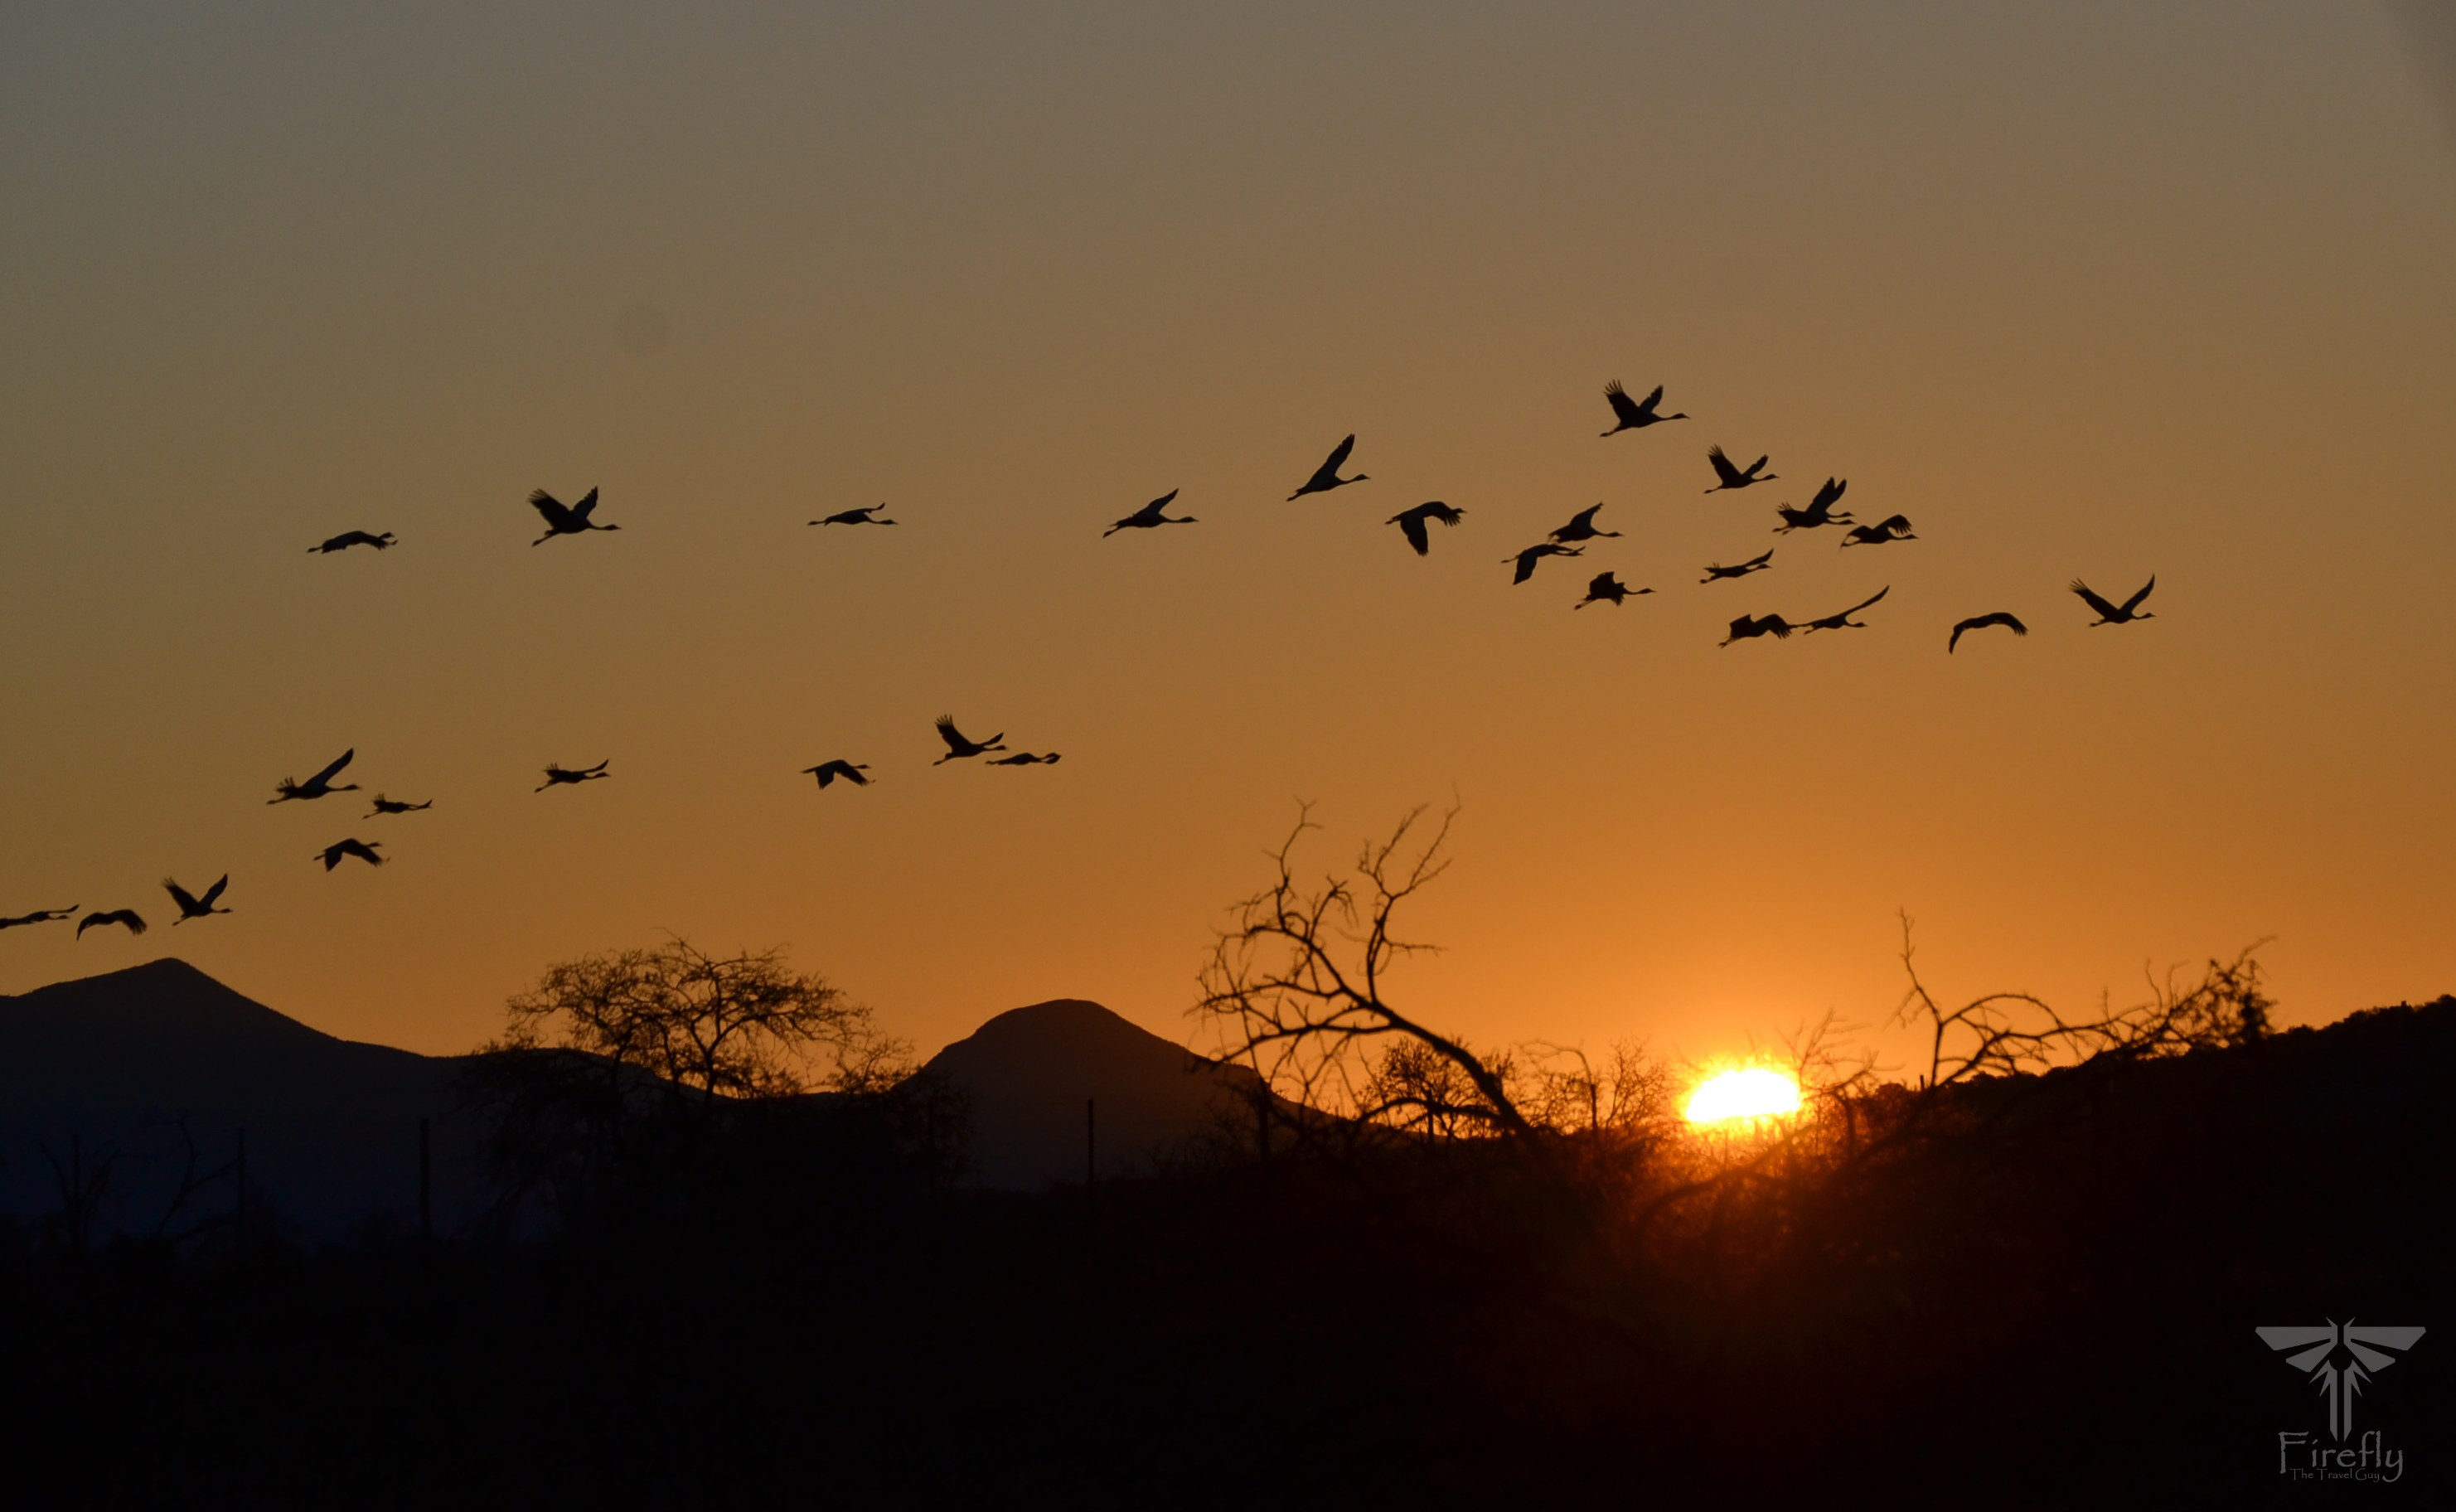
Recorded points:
(566, 519)
(1025, 758)
(395, 805)
(318, 785)
(1149, 516)
(1745, 628)
(958, 746)
(1820, 510)
(1411, 523)
(562, 776)
(1736, 476)
(1892, 527)
(1632, 415)
(1606, 588)
(1843, 621)
(1757, 564)
(40, 916)
(191, 906)
(364, 850)
(1980, 621)
(352, 538)
(1326, 478)
(1582, 527)
(865, 515)
(2123, 613)
(127, 918)
(1532, 555)
(851, 771)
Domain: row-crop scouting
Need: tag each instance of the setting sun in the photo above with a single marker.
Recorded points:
(1750, 1093)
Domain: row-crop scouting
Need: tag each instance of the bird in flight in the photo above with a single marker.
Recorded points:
(1605, 588)
(1025, 758)
(1632, 415)
(191, 906)
(1843, 621)
(865, 515)
(1745, 628)
(39, 916)
(1411, 523)
(1756, 563)
(1735, 476)
(851, 771)
(128, 919)
(958, 746)
(2123, 613)
(1532, 555)
(1980, 621)
(1892, 527)
(564, 776)
(363, 850)
(1149, 516)
(1819, 511)
(1326, 478)
(396, 806)
(566, 519)
(318, 785)
(1582, 527)
(352, 538)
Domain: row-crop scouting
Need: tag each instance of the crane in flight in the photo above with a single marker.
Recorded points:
(317, 787)
(957, 746)
(851, 771)
(1892, 527)
(352, 538)
(1732, 476)
(1582, 527)
(1326, 478)
(1025, 758)
(2123, 613)
(1633, 415)
(1843, 621)
(1149, 516)
(1820, 510)
(865, 515)
(1605, 588)
(364, 850)
(1745, 628)
(40, 916)
(128, 919)
(1756, 563)
(191, 906)
(568, 776)
(1980, 621)
(1532, 555)
(396, 806)
(566, 519)
(1411, 523)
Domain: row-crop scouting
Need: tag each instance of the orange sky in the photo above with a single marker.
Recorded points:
(2099, 291)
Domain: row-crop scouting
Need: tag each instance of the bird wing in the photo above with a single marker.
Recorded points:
(1777, 623)
(1828, 495)
(1157, 505)
(1411, 525)
(1966, 624)
(2133, 602)
(186, 900)
(948, 733)
(330, 772)
(214, 892)
(1526, 560)
(1337, 458)
(1758, 560)
(2105, 610)
(557, 514)
(851, 773)
(1723, 468)
(134, 920)
(1653, 399)
(1857, 607)
(588, 503)
(1584, 518)
(1628, 410)
(362, 849)
(2011, 624)
(1600, 583)
(1443, 512)
(1894, 524)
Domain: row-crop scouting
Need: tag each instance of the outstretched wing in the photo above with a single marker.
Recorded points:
(2105, 610)
(180, 895)
(330, 772)
(2133, 602)
(587, 502)
(1583, 519)
(1723, 468)
(1828, 495)
(1894, 524)
(557, 514)
(1411, 525)
(1526, 560)
(948, 733)
(1338, 458)
(1627, 410)
(1758, 560)
(1857, 607)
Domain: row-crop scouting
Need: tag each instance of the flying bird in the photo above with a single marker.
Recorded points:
(1745, 628)
(396, 806)
(318, 785)
(1632, 415)
(1411, 523)
(1582, 527)
(851, 771)
(865, 515)
(363, 850)
(1843, 621)
(1607, 589)
(562, 776)
(191, 906)
(128, 918)
(1149, 516)
(958, 746)
(1734, 477)
(1757, 564)
(1326, 478)
(39, 916)
(1025, 758)
(352, 538)
(1980, 621)
(2125, 613)
(1532, 555)
(1819, 511)
(566, 519)
(1892, 527)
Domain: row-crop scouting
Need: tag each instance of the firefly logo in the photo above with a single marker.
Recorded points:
(2339, 1356)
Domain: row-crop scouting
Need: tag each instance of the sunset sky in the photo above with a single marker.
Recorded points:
(2098, 291)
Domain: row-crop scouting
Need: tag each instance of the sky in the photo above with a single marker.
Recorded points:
(2096, 290)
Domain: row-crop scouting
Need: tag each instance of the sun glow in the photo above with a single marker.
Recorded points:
(1750, 1093)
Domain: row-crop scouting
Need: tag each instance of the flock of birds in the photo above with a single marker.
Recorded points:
(1570, 540)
